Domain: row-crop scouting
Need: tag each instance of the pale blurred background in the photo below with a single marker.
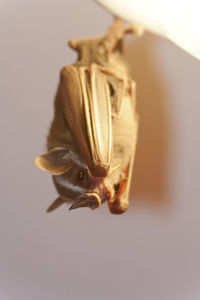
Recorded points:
(152, 252)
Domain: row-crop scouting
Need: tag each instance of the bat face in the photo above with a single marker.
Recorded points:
(75, 183)
(92, 138)
(83, 189)
(89, 191)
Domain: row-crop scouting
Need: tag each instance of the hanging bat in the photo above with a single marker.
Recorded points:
(92, 139)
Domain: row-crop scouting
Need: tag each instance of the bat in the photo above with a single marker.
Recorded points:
(92, 139)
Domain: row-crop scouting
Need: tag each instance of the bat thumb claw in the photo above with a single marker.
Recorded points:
(118, 207)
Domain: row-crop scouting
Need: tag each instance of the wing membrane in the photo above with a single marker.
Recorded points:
(73, 109)
(97, 114)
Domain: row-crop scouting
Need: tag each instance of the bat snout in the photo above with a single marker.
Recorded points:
(91, 200)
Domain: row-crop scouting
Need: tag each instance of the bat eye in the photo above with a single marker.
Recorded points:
(81, 175)
(111, 89)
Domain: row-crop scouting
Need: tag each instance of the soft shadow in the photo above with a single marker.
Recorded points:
(149, 173)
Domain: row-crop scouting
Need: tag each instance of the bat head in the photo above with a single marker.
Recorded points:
(77, 185)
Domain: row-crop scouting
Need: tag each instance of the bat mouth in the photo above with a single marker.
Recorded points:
(91, 200)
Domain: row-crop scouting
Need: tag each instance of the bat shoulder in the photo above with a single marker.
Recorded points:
(68, 72)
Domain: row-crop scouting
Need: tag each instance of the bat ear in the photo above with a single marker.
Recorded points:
(57, 203)
(55, 162)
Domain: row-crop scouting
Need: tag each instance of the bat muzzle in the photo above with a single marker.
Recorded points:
(91, 200)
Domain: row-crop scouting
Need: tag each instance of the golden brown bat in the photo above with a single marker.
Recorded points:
(92, 139)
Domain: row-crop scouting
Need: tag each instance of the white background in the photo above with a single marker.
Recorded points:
(152, 252)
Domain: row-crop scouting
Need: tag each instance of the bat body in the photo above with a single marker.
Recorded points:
(92, 139)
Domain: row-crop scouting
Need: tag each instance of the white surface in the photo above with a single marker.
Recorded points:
(177, 20)
(152, 251)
